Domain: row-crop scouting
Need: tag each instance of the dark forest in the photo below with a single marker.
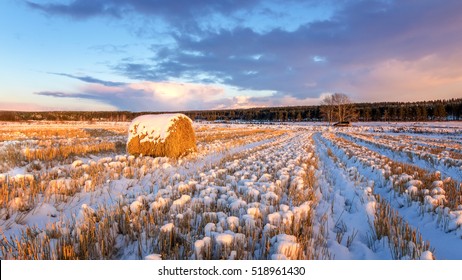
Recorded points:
(436, 110)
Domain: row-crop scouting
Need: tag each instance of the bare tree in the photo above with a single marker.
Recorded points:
(338, 107)
(345, 110)
(327, 108)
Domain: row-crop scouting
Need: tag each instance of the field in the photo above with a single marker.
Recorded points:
(251, 191)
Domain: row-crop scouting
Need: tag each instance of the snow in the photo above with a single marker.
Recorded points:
(265, 178)
(247, 198)
(233, 222)
(224, 239)
(159, 203)
(167, 228)
(181, 201)
(413, 190)
(285, 245)
(209, 228)
(199, 246)
(253, 212)
(153, 257)
(427, 255)
(136, 206)
(416, 183)
(77, 163)
(153, 128)
(278, 257)
(274, 218)
(446, 242)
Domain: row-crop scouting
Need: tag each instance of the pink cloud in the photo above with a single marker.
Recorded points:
(426, 78)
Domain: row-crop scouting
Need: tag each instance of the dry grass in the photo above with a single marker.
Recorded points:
(11, 156)
(223, 139)
(65, 152)
(21, 193)
(225, 134)
(54, 130)
(92, 238)
(404, 241)
(38, 133)
(56, 143)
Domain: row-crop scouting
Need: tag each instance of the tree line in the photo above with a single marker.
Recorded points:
(340, 109)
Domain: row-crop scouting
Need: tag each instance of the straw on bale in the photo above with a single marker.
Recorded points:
(170, 135)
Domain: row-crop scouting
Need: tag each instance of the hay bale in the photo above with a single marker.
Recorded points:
(169, 135)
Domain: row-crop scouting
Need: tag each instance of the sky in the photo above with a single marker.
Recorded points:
(175, 55)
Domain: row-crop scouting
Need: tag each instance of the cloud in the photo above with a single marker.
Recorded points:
(355, 44)
(53, 94)
(175, 96)
(89, 79)
(377, 50)
(194, 16)
(430, 77)
(148, 96)
(179, 12)
(89, 95)
(78, 8)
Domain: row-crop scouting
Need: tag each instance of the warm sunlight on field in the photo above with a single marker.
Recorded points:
(286, 191)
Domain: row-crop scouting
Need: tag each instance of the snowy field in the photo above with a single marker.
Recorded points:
(287, 191)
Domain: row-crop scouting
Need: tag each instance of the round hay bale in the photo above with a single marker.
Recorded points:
(170, 135)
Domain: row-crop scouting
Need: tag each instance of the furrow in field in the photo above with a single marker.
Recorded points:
(348, 206)
(380, 232)
(447, 166)
(417, 198)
